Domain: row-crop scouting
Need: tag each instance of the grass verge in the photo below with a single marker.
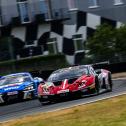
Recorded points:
(119, 75)
(110, 112)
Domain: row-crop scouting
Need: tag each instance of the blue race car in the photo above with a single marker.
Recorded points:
(18, 86)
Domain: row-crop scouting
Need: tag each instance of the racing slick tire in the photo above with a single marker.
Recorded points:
(42, 102)
(104, 86)
(110, 82)
(97, 86)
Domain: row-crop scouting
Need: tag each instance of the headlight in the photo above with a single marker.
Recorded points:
(82, 83)
(45, 90)
(30, 87)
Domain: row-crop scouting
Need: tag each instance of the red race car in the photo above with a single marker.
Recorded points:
(74, 81)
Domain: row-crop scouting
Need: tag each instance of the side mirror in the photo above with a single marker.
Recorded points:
(98, 71)
(38, 79)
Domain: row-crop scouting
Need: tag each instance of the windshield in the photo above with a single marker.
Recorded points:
(14, 79)
(67, 74)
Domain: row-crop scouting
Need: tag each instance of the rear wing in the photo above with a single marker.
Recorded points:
(101, 65)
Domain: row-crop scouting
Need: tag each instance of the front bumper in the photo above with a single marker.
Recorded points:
(60, 96)
(1, 99)
(28, 94)
(9, 96)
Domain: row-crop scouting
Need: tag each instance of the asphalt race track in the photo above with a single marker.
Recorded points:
(21, 109)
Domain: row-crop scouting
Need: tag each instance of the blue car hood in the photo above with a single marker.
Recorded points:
(14, 87)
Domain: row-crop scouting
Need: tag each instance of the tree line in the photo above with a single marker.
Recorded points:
(107, 43)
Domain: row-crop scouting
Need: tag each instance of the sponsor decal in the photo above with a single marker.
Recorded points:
(84, 90)
(64, 84)
(92, 86)
(11, 88)
(63, 91)
(45, 96)
(5, 86)
(12, 93)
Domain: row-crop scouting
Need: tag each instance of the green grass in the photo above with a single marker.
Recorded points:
(111, 112)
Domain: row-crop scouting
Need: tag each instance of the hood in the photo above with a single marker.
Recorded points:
(67, 84)
(62, 85)
(14, 87)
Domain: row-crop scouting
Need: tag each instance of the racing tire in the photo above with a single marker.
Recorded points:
(40, 100)
(97, 86)
(44, 102)
(104, 86)
(110, 82)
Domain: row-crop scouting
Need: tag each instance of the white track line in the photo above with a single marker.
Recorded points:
(89, 102)
(123, 78)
